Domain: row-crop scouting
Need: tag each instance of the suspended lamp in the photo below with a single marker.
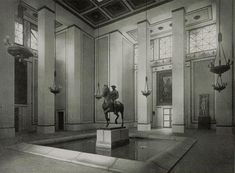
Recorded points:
(55, 88)
(220, 68)
(146, 92)
(98, 94)
(19, 52)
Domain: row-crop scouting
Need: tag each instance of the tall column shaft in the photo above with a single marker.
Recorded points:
(7, 127)
(73, 73)
(178, 32)
(46, 68)
(144, 104)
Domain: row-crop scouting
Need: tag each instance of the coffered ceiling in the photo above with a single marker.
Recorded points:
(102, 12)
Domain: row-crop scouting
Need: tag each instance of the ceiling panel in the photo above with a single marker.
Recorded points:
(101, 2)
(80, 5)
(116, 8)
(96, 17)
(135, 4)
(102, 12)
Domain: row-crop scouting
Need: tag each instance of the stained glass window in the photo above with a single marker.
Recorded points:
(34, 38)
(202, 39)
(18, 33)
(165, 47)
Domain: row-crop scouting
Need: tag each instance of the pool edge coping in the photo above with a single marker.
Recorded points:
(162, 163)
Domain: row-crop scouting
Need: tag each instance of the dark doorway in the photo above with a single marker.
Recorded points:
(60, 120)
(16, 119)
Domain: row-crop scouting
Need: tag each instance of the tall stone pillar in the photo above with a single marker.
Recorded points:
(178, 33)
(223, 104)
(144, 103)
(73, 73)
(46, 68)
(7, 21)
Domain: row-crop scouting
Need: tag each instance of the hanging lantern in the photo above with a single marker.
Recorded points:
(146, 91)
(98, 94)
(220, 85)
(19, 52)
(220, 68)
(54, 88)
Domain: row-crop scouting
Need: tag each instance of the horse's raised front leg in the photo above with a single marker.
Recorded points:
(107, 119)
(117, 116)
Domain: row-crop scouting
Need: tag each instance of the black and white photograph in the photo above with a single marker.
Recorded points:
(117, 86)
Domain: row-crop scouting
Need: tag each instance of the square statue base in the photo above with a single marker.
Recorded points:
(112, 137)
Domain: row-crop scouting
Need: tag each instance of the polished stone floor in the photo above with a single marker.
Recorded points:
(212, 153)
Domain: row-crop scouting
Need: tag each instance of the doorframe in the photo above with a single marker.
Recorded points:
(170, 117)
(155, 70)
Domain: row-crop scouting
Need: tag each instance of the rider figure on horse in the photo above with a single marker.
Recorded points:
(114, 96)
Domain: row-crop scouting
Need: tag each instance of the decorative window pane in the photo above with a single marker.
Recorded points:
(34, 39)
(202, 39)
(165, 45)
(135, 54)
(151, 50)
(18, 33)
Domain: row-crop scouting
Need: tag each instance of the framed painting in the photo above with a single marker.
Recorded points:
(164, 87)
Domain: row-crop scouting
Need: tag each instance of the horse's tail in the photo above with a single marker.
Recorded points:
(121, 107)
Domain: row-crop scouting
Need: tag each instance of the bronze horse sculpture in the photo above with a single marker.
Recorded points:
(111, 106)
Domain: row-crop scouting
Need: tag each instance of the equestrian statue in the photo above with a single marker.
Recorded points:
(111, 104)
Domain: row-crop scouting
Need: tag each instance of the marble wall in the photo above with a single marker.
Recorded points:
(75, 75)
(7, 129)
(114, 66)
(102, 73)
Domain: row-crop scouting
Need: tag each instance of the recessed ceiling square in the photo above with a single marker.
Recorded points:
(116, 8)
(80, 5)
(101, 2)
(96, 16)
(135, 4)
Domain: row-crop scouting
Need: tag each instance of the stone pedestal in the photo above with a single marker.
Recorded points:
(204, 122)
(112, 137)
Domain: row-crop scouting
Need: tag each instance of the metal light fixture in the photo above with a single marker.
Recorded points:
(146, 92)
(220, 68)
(55, 88)
(20, 53)
(98, 94)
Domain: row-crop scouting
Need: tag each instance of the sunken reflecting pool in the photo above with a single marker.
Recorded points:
(140, 149)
